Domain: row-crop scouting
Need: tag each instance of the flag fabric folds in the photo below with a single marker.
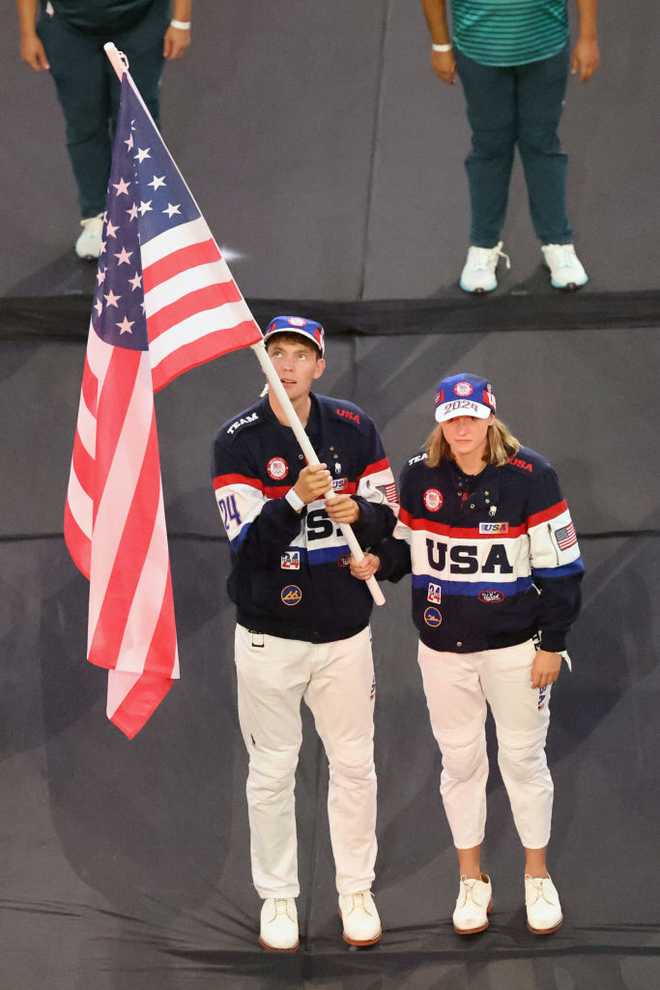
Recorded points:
(165, 302)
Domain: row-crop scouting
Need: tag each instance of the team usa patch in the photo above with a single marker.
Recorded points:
(277, 468)
(338, 484)
(493, 528)
(291, 595)
(491, 596)
(543, 695)
(434, 593)
(433, 500)
(433, 617)
(290, 560)
(566, 537)
(463, 389)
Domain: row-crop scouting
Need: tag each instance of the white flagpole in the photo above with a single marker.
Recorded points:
(310, 454)
(119, 64)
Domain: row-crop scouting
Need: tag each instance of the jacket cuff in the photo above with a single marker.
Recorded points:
(553, 642)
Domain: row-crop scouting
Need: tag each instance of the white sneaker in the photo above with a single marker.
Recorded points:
(544, 915)
(279, 925)
(473, 904)
(360, 919)
(478, 273)
(88, 245)
(566, 270)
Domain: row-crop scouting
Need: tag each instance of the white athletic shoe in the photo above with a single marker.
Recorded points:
(279, 925)
(544, 914)
(474, 902)
(360, 919)
(566, 270)
(478, 273)
(88, 245)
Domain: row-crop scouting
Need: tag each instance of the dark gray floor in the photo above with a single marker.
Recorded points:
(124, 866)
(326, 154)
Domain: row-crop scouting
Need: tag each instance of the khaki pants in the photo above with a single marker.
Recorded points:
(336, 681)
(458, 686)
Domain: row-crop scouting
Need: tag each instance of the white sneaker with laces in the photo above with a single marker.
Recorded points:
(544, 914)
(478, 273)
(279, 925)
(473, 904)
(88, 245)
(360, 919)
(566, 270)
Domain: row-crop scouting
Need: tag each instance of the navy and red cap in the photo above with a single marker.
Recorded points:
(464, 395)
(312, 331)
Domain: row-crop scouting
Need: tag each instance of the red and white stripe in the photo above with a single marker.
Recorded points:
(115, 531)
(195, 311)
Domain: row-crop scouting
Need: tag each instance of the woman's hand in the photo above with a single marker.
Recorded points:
(545, 668)
(175, 43)
(365, 568)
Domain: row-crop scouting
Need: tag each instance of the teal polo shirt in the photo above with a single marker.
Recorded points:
(509, 32)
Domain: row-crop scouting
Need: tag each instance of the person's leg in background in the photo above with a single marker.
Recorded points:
(490, 102)
(143, 47)
(540, 92)
(77, 64)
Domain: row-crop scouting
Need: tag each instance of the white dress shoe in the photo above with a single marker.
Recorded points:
(88, 245)
(566, 270)
(279, 925)
(360, 919)
(474, 901)
(478, 273)
(544, 915)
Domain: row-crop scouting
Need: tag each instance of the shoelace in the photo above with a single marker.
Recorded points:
(468, 889)
(359, 902)
(491, 255)
(539, 890)
(280, 907)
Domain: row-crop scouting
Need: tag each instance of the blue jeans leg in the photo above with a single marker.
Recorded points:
(491, 111)
(541, 87)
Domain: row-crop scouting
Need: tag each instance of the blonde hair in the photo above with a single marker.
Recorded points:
(501, 445)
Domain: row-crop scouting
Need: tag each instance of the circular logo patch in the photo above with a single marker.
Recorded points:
(433, 617)
(491, 597)
(291, 595)
(463, 389)
(297, 321)
(277, 468)
(433, 500)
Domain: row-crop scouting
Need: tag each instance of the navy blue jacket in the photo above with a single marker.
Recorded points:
(289, 574)
(494, 559)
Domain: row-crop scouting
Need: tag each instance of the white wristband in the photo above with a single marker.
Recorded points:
(181, 25)
(294, 500)
(441, 48)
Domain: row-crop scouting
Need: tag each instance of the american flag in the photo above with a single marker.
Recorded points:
(165, 302)
(566, 537)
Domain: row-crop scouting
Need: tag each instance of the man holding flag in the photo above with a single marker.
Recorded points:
(303, 622)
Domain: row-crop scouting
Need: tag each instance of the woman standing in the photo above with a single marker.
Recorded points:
(496, 573)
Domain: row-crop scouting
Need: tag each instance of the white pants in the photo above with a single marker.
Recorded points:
(336, 680)
(457, 688)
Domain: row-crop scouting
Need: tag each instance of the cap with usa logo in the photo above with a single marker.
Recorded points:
(464, 395)
(309, 329)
